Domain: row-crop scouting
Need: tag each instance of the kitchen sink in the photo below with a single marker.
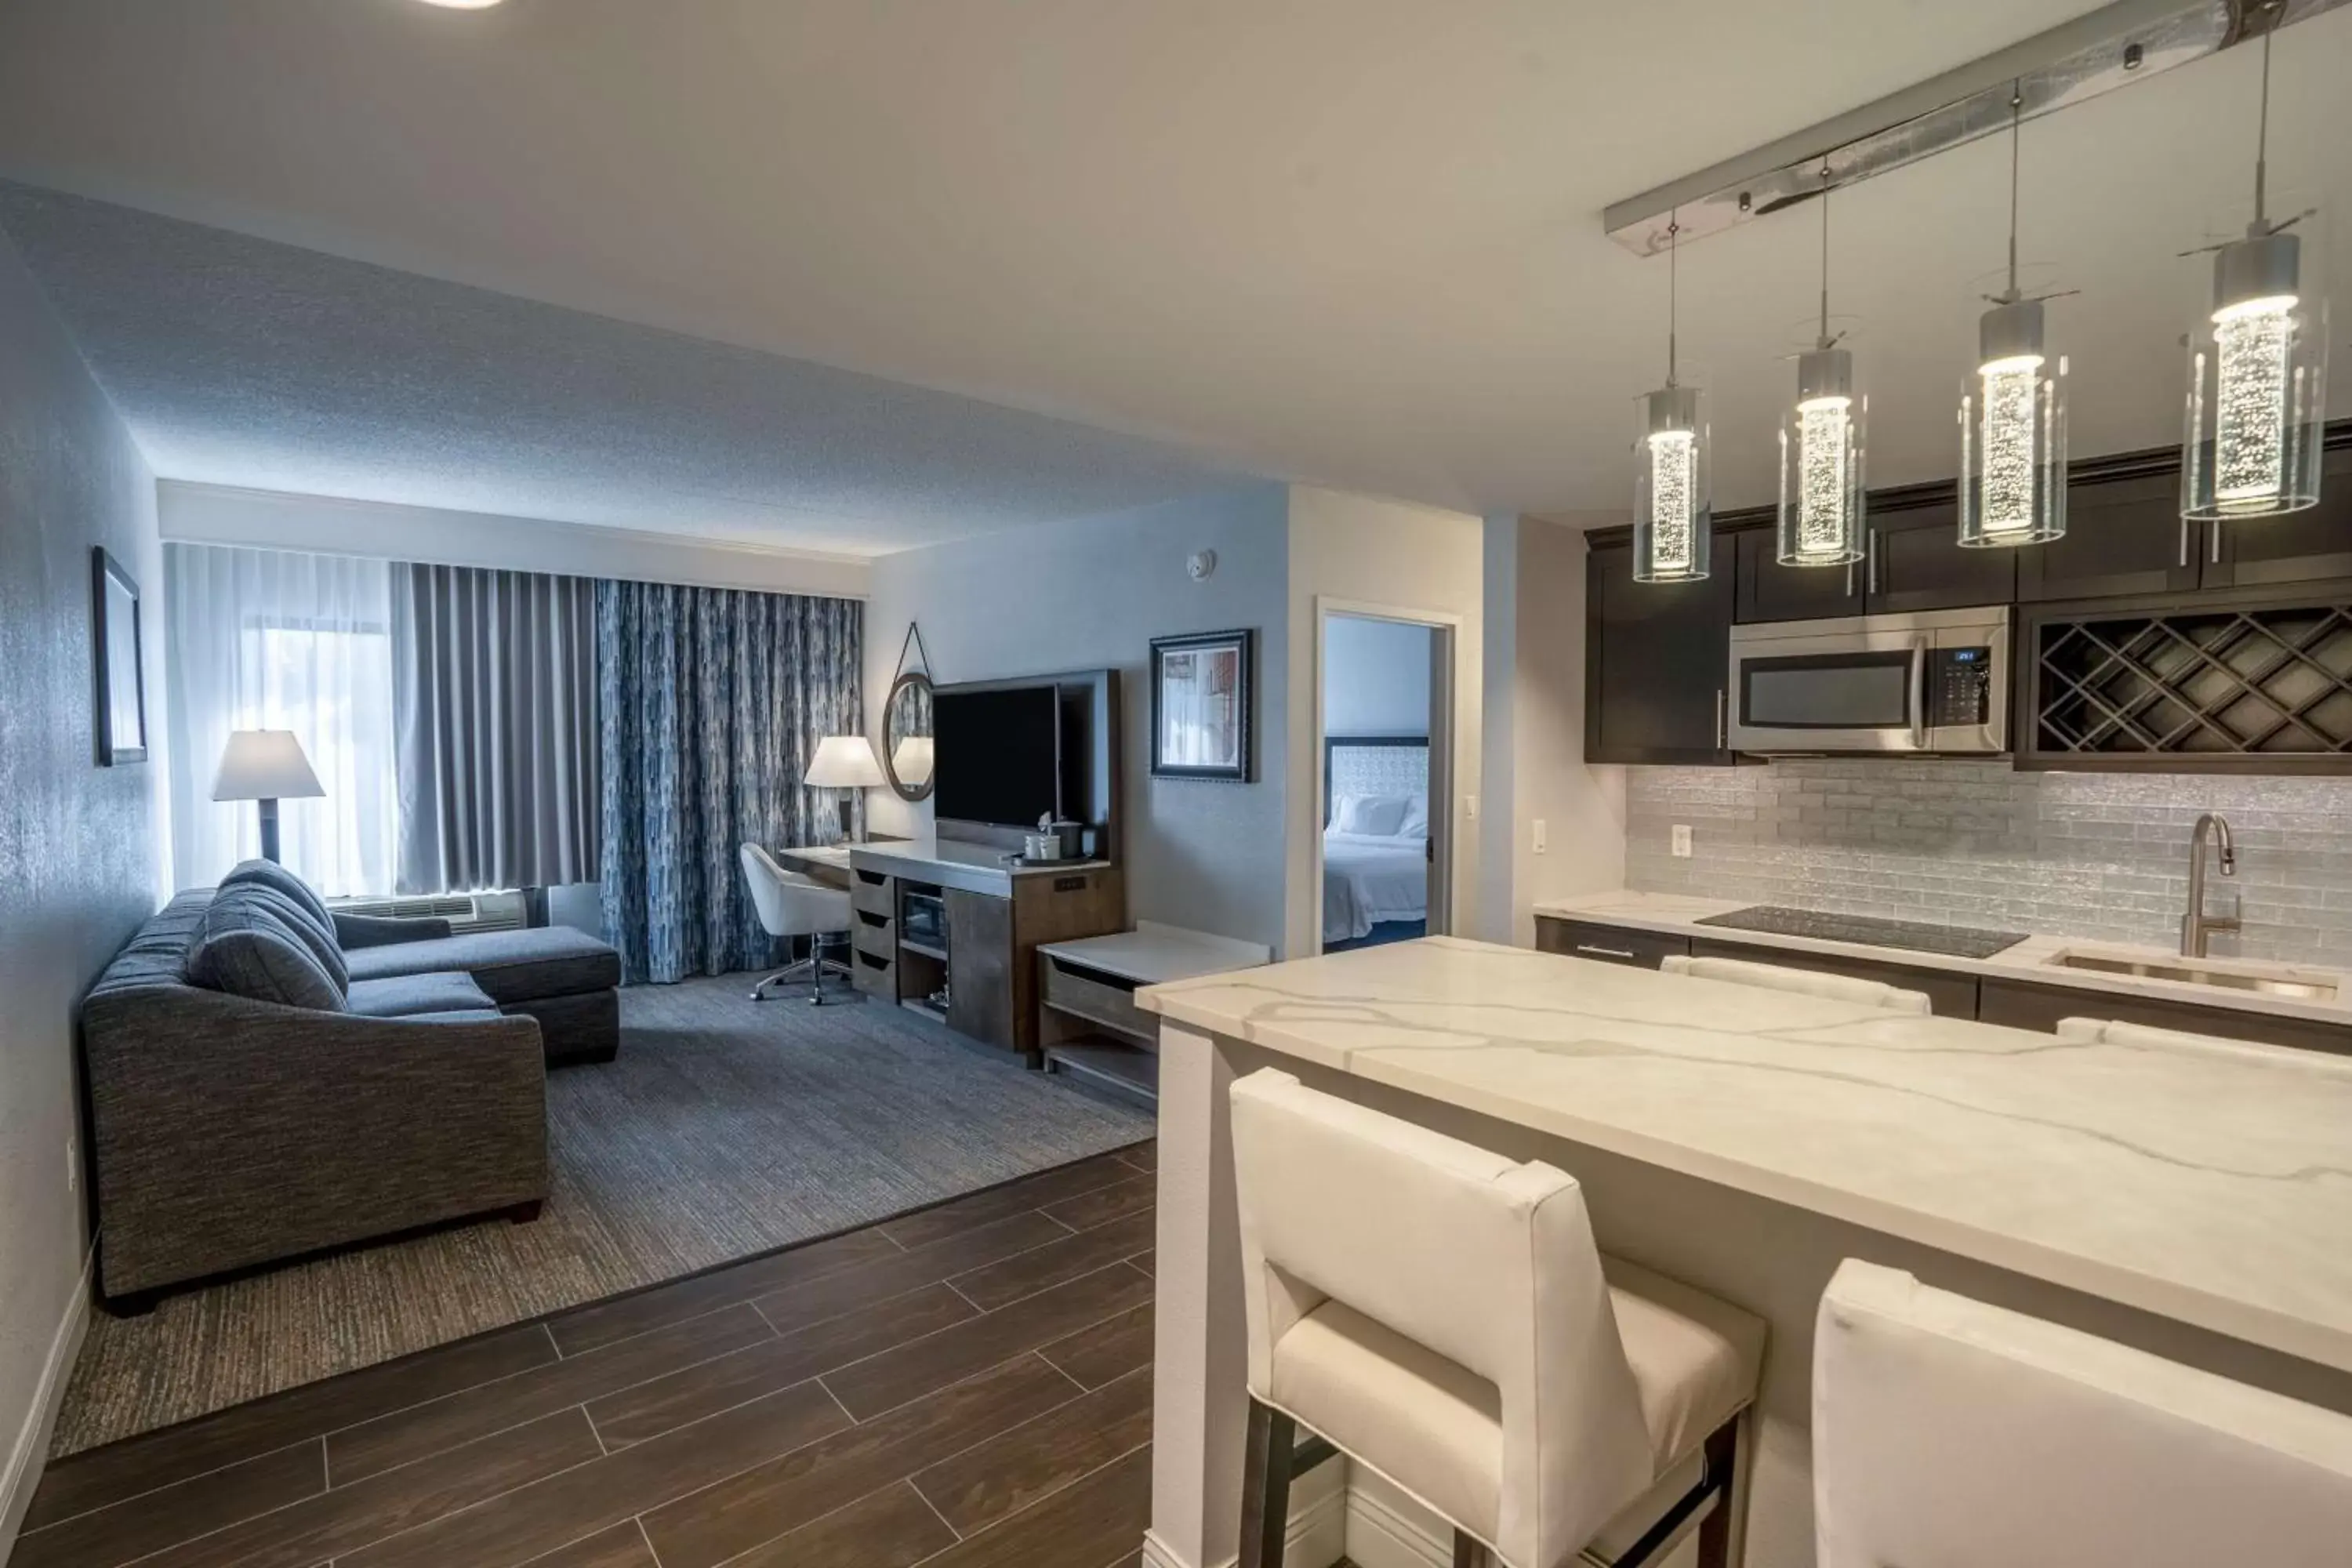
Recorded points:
(2300, 985)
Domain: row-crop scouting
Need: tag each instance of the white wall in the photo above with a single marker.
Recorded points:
(1352, 552)
(80, 844)
(1375, 677)
(1535, 741)
(1092, 593)
(276, 519)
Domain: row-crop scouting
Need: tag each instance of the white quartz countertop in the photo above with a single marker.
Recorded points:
(1677, 914)
(2208, 1184)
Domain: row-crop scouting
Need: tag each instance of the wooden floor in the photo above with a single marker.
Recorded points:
(966, 1386)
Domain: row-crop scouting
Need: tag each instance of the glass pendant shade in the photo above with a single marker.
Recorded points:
(2013, 433)
(1673, 518)
(1821, 464)
(2257, 385)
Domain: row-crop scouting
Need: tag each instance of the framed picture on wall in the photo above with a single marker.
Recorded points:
(1201, 706)
(121, 704)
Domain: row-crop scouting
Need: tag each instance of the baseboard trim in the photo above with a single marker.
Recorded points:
(27, 1457)
(1316, 1538)
(1378, 1536)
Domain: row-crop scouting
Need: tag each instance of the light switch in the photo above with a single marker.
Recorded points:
(1682, 840)
(1539, 835)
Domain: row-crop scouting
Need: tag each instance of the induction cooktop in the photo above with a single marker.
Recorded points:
(1951, 941)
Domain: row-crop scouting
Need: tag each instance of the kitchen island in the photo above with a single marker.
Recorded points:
(2196, 1202)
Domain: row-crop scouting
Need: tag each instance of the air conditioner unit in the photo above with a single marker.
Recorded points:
(464, 911)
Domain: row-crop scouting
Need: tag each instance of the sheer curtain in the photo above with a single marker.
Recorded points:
(268, 639)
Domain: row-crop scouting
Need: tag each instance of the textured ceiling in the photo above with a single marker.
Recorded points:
(1351, 241)
(244, 361)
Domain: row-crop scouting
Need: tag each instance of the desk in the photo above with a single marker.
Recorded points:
(2192, 1201)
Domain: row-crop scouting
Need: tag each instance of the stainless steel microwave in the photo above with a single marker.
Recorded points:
(1934, 682)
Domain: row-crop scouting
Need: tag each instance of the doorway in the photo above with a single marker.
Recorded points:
(1385, 740)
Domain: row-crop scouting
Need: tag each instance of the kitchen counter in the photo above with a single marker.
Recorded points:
(1679, 915)
(2193, 1200)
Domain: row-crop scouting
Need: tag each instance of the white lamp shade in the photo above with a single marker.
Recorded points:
(844, 761)
(910, 759)
(264, 765)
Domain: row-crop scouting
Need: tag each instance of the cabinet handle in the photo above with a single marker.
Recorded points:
(2214, 529)
(1722, 720)
(2184, 539)
(1603, 951)
(1870, 553)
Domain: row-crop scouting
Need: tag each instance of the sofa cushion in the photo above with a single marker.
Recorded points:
(509, 965)
(406, 995)
(249, 949)
(296, 915)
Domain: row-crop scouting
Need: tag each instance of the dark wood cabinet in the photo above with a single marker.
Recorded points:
(1916, 562)
(981, 960)
(2300, 547)
(1609, 944)
(2124, 536)
(1771, 592)
(2019, 1005)
(1949, 995)
(1656, 654)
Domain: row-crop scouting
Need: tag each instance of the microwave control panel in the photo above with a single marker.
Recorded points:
(1959, 686)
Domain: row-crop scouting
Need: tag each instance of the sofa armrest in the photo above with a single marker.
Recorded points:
(228, 1131)
(383, 931)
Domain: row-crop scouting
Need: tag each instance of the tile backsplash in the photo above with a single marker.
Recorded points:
(1975, 843)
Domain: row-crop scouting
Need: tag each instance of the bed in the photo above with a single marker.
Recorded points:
(1375, 838)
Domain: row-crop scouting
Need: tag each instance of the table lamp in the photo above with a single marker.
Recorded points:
(911, 759)
(845, 762)
(266, 766)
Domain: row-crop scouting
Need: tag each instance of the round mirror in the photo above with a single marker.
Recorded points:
(906, 737)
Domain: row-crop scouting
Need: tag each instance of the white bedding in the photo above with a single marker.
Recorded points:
(1368, 879)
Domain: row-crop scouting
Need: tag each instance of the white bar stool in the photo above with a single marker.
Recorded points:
(1774, 977)
(1948, 1434)
(1440, 1314)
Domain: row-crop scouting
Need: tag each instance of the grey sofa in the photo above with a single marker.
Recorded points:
(230, 1130)
(567, 980)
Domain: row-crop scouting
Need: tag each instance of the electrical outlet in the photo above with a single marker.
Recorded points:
(1470, 806)
(1681, 841)
(73, 1168)
(1541, 839)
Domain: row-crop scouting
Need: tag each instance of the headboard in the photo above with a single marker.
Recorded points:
(1373, 764)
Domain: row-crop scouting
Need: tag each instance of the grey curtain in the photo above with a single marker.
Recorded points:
(713, 702)
(494, 710)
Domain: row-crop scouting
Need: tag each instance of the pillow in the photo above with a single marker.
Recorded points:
(297, 900)
(1375, 815)
(320, 944)
(249, 950)
(1416, 818)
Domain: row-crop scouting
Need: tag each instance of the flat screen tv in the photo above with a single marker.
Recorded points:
(998, 754)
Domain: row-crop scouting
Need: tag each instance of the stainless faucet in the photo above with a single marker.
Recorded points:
(2197, 926)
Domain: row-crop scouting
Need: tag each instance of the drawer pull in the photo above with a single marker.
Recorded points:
(1604, 951)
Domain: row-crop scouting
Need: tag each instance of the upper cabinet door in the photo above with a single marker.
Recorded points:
(1656, 656)
(2123, 537)
(2311, 546)
(1771, 592)
(1916, 562)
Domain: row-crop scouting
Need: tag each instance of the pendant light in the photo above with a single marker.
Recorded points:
(2013, 410)
(2257, 367)
(1820, 445)
(1673, 518)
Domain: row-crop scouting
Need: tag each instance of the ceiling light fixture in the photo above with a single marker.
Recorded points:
(1673, 519)
(1820, 444)
(2013, 411)
(463, 4)
(2257, 366)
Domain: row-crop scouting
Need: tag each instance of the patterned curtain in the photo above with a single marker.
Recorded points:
(714, 701)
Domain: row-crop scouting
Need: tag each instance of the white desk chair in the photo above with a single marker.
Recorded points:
(1948, 1434)
(1773, 977)
(792, 905)
(1440, 1314)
